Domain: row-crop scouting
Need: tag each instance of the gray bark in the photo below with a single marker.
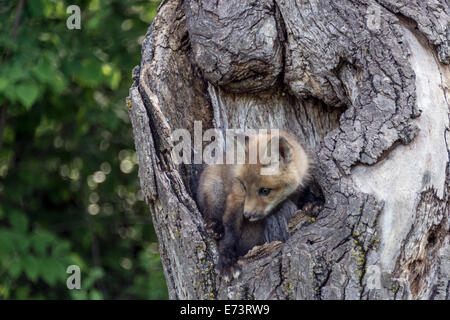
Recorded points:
(363, 84)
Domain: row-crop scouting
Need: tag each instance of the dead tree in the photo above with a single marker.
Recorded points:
(363, 84)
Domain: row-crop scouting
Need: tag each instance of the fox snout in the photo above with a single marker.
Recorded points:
(253, 216)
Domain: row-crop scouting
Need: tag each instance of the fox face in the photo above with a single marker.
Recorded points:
(263, 192)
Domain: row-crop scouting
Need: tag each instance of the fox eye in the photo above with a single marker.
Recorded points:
(242, 184)
(264, 192)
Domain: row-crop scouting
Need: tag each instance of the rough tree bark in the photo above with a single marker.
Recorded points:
(363, 84)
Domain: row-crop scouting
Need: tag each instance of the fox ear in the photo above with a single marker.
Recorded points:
(284, 148)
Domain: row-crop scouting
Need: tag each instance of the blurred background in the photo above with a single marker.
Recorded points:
(69, 191)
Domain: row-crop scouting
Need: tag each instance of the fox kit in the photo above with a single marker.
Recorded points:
(235, 198)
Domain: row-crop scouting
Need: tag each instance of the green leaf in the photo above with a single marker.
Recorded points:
(59, 84)
(18, 221)
(6, 244)
(92, 277)
(47, 72)
(51, 270)
(21, 242)
(31, 267)
(61, 248)
(95, 295)
(90, 73)
(27, 93)
(43, 71)
(36, 8)
(15, 268)
(15, 73)
(10, 92)
(115, 80)
(41, 241)
(3, 83)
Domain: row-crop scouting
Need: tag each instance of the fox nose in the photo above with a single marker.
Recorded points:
(252, 216)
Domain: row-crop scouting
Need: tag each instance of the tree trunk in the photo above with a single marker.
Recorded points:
(363, 84)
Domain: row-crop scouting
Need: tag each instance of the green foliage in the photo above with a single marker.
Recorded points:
(69, 192)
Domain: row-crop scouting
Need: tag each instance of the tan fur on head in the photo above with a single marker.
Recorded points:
(263, 192)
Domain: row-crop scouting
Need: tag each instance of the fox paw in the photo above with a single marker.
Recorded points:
(230, 272)
(229, 269)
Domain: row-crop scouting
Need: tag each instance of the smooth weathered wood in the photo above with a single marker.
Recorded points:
(361, 86)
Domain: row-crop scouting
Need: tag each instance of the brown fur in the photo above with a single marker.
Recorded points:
(232, 201)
